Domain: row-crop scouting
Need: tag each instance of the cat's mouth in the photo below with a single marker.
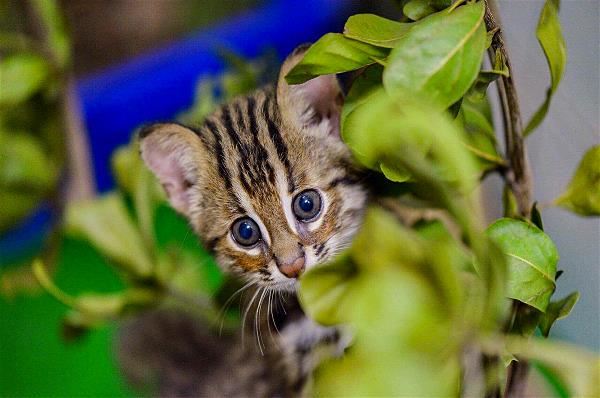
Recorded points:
(290, 286)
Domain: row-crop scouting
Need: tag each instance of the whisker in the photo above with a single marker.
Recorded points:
(269, 313)
(229, 301)
(246, 314)
(282, 301)
(257, 321)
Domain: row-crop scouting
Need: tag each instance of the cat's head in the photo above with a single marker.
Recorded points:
(265, 181)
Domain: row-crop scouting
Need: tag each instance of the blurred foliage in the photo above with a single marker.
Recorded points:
(418, 300)
(33, 69)
(582, 196)
(125, 226)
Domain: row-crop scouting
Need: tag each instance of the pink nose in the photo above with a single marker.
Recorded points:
(294, 268)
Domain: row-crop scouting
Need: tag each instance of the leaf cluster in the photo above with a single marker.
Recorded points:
(152, 249)
(32, 139)
(419, 297)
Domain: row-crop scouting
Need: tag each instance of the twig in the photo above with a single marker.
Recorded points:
(518, 174)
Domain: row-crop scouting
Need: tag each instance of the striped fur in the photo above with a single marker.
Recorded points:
(250, 158)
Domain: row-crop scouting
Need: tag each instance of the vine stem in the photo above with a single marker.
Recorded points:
(518, 174)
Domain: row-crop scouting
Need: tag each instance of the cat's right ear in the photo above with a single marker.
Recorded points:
(315, 103)
(172, 152)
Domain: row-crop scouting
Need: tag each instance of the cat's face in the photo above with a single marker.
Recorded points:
(266, 181)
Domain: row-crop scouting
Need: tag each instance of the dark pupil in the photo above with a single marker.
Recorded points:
(245, 230)
(305, 203)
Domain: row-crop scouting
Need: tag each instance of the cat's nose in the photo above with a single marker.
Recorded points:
(294, 268)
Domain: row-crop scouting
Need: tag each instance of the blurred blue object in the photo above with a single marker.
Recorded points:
(158, 85)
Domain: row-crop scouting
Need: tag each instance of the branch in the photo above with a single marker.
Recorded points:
(518, 175)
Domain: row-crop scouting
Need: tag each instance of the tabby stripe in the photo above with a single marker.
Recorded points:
(223, 171)
(243, 179)
(345, 180)
(281, 148)
(261, 154)
(233, 135)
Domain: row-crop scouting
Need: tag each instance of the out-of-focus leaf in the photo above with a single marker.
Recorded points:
(375, 30)
(385, 130)
(16, 206)
(334, 53)
(205, 102)
(136, 180)
(55, 30)
(125, 164)
(106, 223)
(557, 310)
(417, 9)
(532, 259)
(439, 57)
(21, 76)
(388, 328)
(24, 166)
(27, 175)
(577, 368)
(553, 379)
(549, 34)
(323, 289)
(582, 196)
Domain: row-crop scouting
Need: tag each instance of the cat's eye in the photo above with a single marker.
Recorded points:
(307, 205)
(245, 232)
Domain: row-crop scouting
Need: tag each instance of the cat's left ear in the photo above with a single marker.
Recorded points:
(315, 103)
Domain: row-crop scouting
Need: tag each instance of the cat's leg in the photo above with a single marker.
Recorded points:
(305, 344)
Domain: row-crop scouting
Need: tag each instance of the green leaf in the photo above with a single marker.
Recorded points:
(440, 57)
(323, 291)
(364, 85)
(375, 30)
(553, 379)
(577, 368)
(388, 329)
(334, 53)
(418, 9)
(106, 223)
(532, 259)
(57, 36)
(557, 310)
(549, 34)
(384, 132)
(582, 196)
(27, 175)
(21, 76)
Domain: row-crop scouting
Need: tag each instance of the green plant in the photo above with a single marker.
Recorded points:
(440, 306)
(33, 68)
(151, 248)
(433, 312)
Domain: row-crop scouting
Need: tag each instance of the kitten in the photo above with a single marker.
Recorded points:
(272, 191)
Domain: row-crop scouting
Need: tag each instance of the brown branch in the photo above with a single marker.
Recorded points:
(518, 174)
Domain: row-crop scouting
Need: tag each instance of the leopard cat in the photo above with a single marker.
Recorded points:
(272, 191)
